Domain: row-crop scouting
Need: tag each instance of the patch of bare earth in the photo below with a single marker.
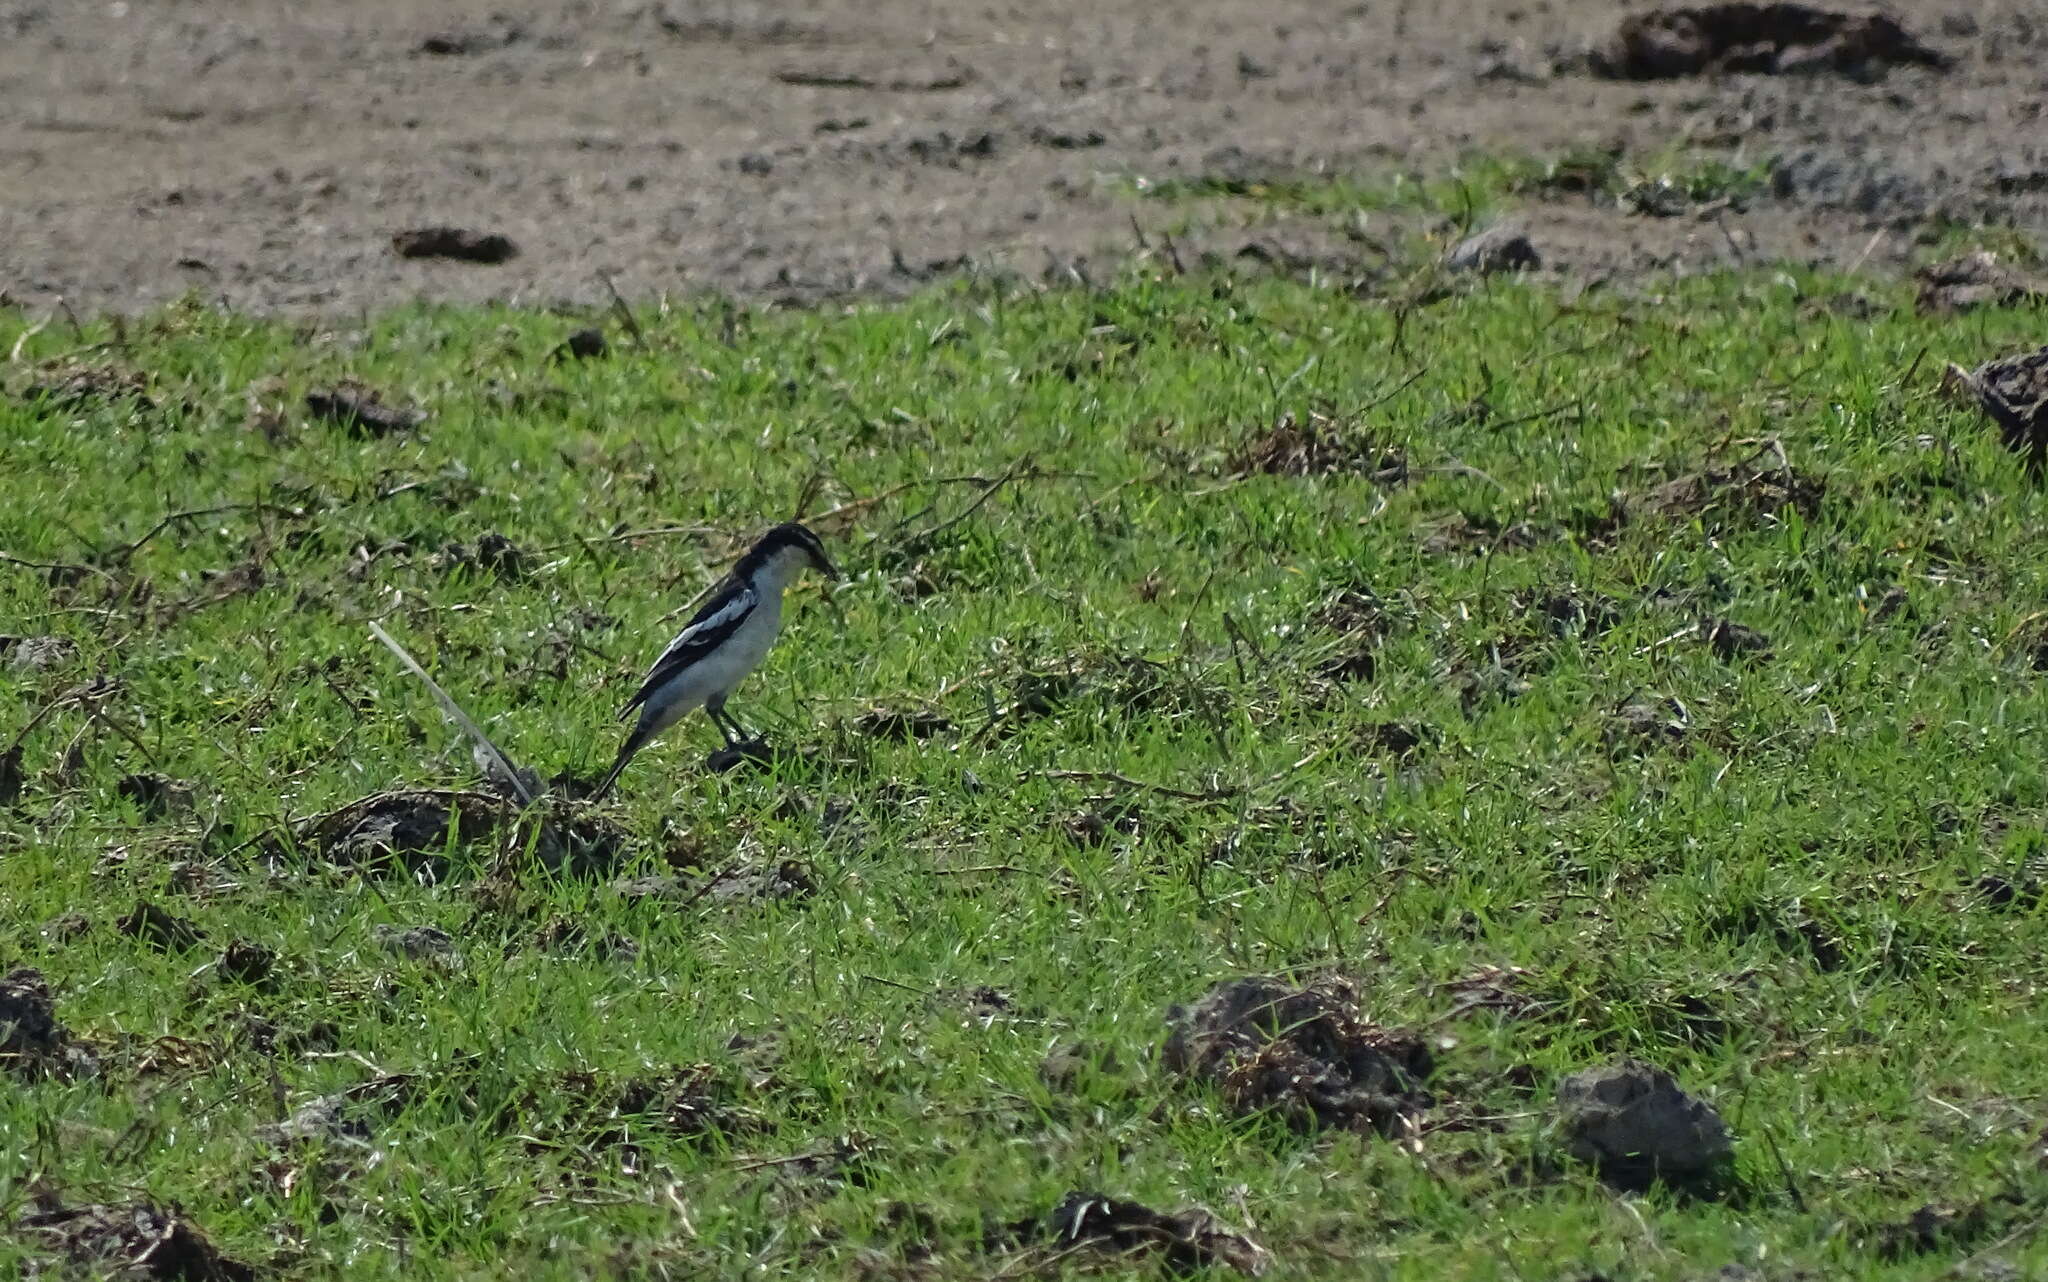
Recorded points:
(331, 158)
(127, 1240)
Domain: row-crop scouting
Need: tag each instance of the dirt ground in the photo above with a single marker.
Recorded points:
(264, 152)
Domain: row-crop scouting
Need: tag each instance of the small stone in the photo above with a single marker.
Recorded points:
(1497, 249)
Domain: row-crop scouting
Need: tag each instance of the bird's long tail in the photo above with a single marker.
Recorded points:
(634, 742)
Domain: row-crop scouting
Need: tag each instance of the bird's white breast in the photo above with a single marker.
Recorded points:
(717, 673)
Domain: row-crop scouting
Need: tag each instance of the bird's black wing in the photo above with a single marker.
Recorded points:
(709, 629)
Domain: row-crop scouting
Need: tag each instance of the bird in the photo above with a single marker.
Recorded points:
(723, 642)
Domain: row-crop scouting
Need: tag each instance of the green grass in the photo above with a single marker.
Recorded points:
(1667, 181)
(1758, 871)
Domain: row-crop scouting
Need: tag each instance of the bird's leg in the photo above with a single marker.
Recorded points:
(726, 725)
(740, 734)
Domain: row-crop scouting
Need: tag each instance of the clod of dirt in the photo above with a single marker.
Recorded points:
(1789, 927)
(362, 411)
(933, 80)
(1393, 738)
(1354, 662)
(1769, 38)
(1499, 989)
(1731, 641)
(345, 1114)
(420, 943)
(493, 553)
(1487, 677)
(497, 34)
(246, 962)
(37, 654)
(1639, 724)
(1189, 1239)
(1497, 249)
(657, 886)
(155, 795)
(1468, 532)
(1317, 447)
(1570, 612)
(2013, 390)
(458, 243)
(1068, 1064)
(685, 1101)
(160, 928)
(1749, 488)
(2020, 892)
(1068, 139)
(66, 928)
(901, 724)
(789, 879)
(411, 831)
(129, 1240)
(982, 1004)
(559, 934)
(590, 1112)
(583, 345)
(33, 1044)
(69, 385)
(1631, 1120)
(1305, 1054)
(11, 778)
(1975, 280)
(1104, 818)
(1940, 1228)
(1349, 610)
(785, 879)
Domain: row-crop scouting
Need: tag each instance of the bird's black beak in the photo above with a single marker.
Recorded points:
(824, 567)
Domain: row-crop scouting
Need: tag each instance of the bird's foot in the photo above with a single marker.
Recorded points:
(740, 752)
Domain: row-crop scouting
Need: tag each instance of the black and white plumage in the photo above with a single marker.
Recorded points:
(724, 641)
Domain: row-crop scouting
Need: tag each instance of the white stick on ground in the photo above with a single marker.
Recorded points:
(515, 777)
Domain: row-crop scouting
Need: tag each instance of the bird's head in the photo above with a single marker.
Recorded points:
(787, 548)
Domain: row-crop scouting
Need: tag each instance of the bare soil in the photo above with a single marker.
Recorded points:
(275, 155)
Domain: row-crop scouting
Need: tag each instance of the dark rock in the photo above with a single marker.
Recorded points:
(1632, 1120)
